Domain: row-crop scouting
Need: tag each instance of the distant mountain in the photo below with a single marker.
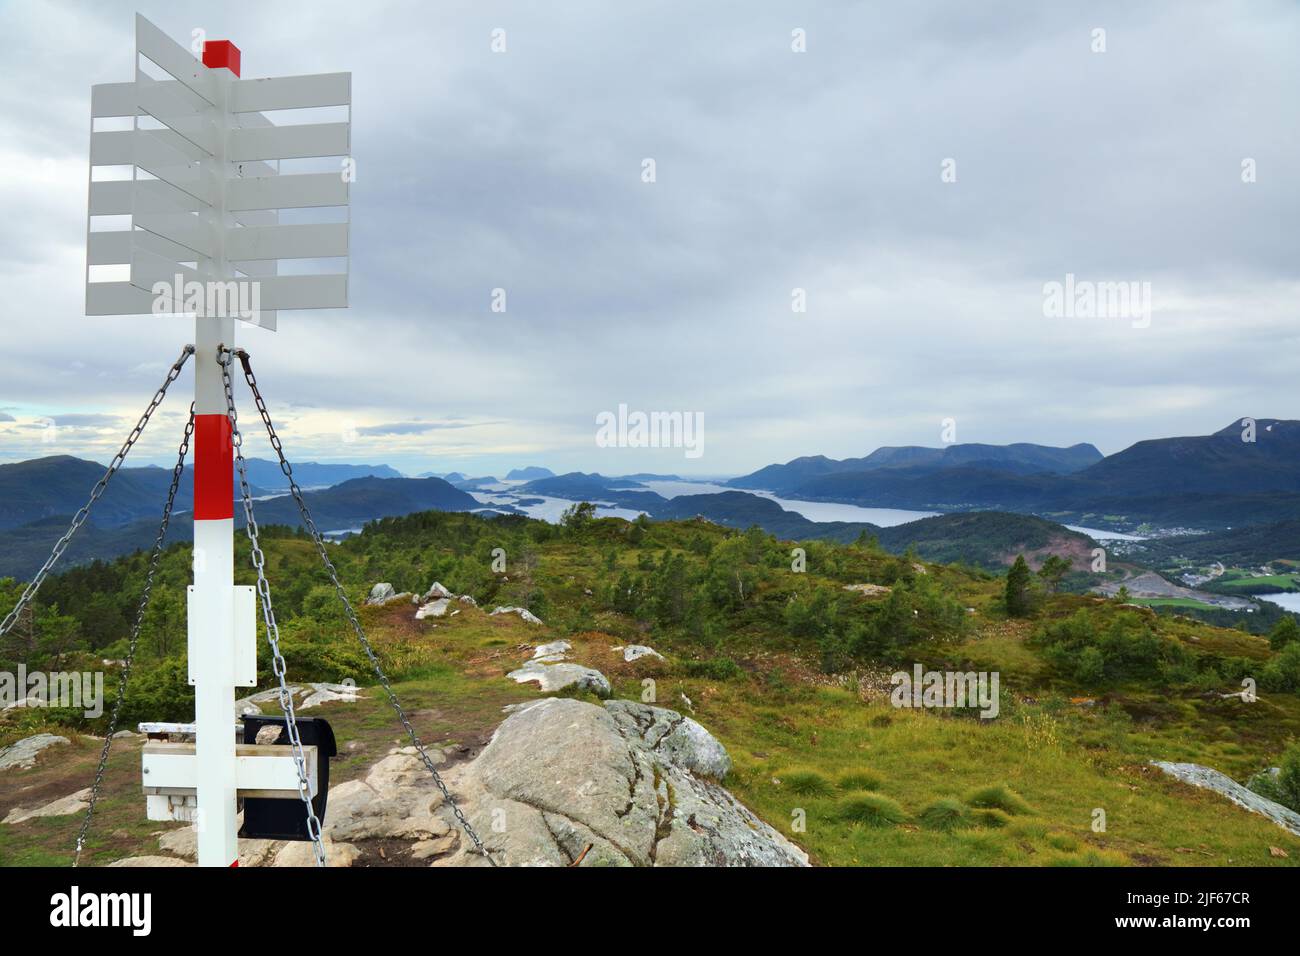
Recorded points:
(1020, 458)
(473, 484)
(531, 473)
(311, 474)
(60, 485)
(1205, 464)
(347, 505)
(1212, 481)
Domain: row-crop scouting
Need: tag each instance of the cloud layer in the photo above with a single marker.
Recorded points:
(775, 171)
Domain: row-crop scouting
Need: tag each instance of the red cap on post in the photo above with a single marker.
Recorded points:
(219, 53)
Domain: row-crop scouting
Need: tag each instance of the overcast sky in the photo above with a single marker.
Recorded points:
(775, 170)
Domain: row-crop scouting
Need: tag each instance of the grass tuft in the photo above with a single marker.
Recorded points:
(998, 797)
(990, 817)
(945, 814)
(860, 780)
(807, 783)
(871, 809)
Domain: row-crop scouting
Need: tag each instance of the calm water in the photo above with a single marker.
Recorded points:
(550, 509)
(1289, 601)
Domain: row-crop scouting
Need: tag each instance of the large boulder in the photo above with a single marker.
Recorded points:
(626, 784)
(23, 754)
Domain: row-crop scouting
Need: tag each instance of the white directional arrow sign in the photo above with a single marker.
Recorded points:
(199, 226)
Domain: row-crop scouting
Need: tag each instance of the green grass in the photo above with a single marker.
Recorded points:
(871, 810)
(998, 797)
(859, 780)
(946, 813)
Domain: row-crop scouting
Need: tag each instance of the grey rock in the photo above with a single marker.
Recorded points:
(437, 608)
(62, 807)
(634, 652)
(618, 785)
(397, 799)
(523, 612)
(381, 594)
(552, 652)
(22, 754)
(1210, 779)
(436, 590)
(324, 693)
(551, 677)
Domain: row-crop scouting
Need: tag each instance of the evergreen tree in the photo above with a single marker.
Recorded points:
(1019, 600)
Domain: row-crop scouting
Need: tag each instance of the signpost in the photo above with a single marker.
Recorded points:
(209, 224)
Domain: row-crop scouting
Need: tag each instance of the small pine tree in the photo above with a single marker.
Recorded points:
(1019, 601)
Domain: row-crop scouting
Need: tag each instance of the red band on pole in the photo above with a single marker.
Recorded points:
(214, 461)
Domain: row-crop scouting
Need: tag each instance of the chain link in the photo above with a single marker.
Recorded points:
(152, 568)
(319, 540)
(278, 665)
(80, 517)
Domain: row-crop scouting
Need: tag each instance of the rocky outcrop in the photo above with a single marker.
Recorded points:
(523, 612)
(312, 694)
(435, 608)
(634, 652)
(564, 781)
(64, 806)
(551, 677)
(554, 651)
(870, 590)
(1210, 779)
(23, 754)
(436, 590)
(397, 799)
(383, 593)
(380, 593)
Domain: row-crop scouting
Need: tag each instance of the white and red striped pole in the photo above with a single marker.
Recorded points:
(211, 618)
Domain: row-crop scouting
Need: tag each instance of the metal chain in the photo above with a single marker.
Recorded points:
(151, 569)
(319, 540)
(80, 517)
(278, 664)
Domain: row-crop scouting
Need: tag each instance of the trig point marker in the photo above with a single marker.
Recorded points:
(204, 238)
